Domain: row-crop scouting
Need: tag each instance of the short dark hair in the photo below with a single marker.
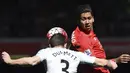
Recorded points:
(57, 39)
(84, 8)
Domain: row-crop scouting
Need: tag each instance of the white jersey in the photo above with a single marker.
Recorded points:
(61, 60)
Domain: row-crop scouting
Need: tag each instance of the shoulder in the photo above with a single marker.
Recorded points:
(44, 50)
(76, 31)
(95, 38)
(73, 51)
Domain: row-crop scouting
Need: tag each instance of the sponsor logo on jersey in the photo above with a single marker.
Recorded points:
(88, 52)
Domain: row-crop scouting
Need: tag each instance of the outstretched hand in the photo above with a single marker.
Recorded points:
(6, 57)
(124, 58)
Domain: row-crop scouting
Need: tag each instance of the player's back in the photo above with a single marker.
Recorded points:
(61, 60)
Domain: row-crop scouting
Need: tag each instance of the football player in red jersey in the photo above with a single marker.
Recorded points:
(84, 40)
(59, 59)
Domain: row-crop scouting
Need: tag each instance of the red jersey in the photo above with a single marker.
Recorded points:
(90, 45)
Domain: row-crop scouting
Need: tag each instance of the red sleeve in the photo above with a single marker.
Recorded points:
(98, 49)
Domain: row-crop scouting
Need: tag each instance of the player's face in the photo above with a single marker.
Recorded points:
(86, 21)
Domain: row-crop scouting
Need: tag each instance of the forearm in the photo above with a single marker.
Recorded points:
(101, 62)
(20, 61)
(121, 60)
(106, 63)
(124, 58)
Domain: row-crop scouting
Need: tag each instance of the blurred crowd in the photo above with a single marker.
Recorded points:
(33, 18)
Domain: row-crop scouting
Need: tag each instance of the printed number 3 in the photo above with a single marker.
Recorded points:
(67, 65)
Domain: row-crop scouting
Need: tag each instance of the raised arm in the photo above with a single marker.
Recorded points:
(97, 61)
(21, 61)
(105, 63)
(124, 58)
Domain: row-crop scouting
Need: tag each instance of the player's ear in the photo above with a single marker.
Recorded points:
(65, 45)
(92, 19)
(49, 45)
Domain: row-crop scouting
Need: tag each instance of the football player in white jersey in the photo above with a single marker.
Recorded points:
(59, 59)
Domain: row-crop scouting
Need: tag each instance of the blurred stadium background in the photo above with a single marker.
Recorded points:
(24, 24)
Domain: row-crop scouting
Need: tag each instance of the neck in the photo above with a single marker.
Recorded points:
(60, 46)
(88, 31)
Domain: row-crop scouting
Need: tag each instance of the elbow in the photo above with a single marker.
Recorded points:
(28, 61)
(33, 60)
(32, 63)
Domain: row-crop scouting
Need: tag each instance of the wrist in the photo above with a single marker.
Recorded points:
(111, 64)
(9, 61)
(115, 60)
